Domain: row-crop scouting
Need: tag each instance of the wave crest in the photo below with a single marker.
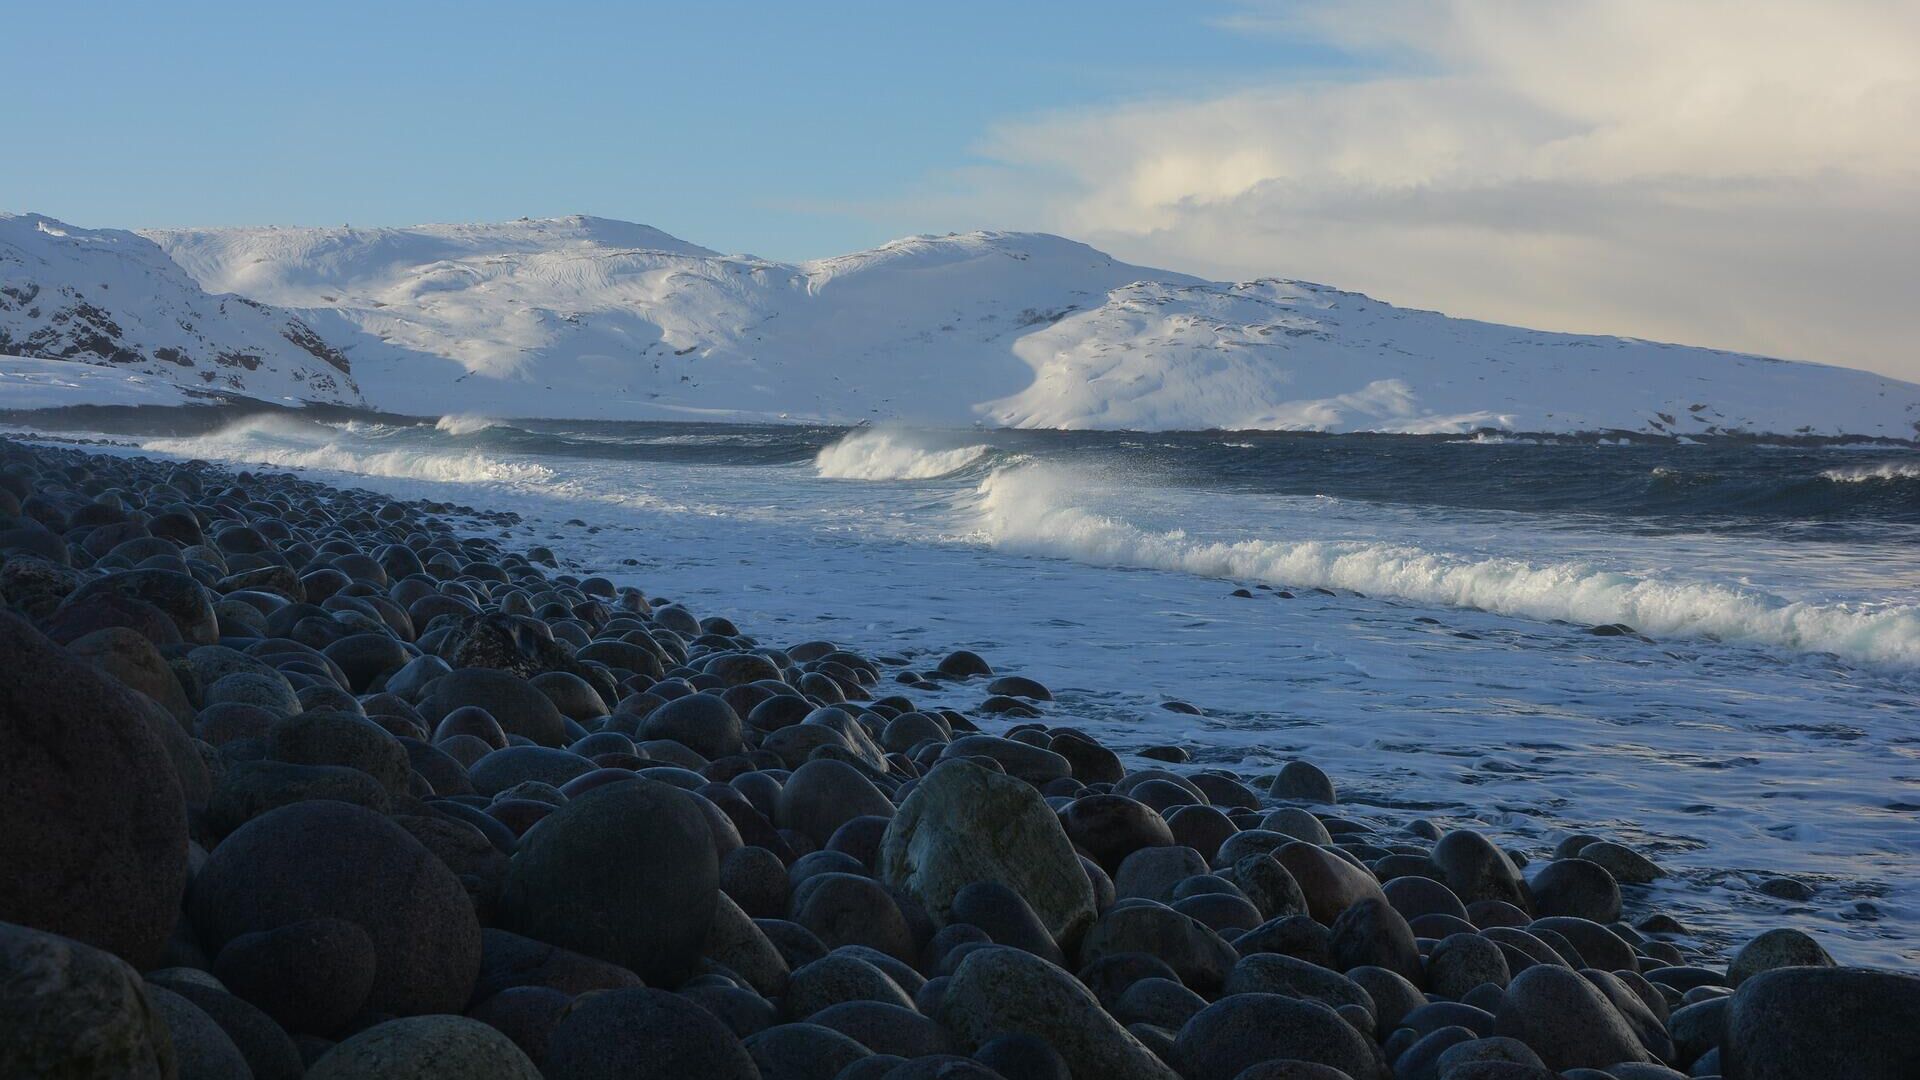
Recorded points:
(1892, 470)
(885, 455)
(290, 443)
(1034, 509)
(464, 423)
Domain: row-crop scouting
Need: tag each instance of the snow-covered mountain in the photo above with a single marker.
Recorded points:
(589, 318)
(113, 298)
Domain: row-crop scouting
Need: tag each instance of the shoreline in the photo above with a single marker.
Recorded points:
(865, 898)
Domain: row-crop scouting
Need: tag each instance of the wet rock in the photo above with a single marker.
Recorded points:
(1272, 973)
(1778, 948)
(1627, 866)
(703, 723)
(1578, 888)
(847, 909)
(1303, 781)
(1034, 764)
(1476, 870)
(509, 961)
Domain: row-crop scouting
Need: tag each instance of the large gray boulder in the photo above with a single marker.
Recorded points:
(963, 824)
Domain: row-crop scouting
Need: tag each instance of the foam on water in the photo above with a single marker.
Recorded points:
(1040, 509)
(891, 455)
(291, 443)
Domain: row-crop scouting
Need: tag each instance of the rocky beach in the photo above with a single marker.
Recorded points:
(310, 781)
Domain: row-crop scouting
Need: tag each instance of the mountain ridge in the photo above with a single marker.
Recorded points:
(592, 318)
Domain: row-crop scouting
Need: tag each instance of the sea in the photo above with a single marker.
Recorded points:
(1707, 650)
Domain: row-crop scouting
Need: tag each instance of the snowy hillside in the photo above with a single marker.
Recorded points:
(112, 298)
(584, 317)
(589, 318)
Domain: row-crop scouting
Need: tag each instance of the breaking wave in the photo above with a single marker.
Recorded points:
(1038, 509)
(1867, 473)
(464, 423)
(290, 443)
(886, 455)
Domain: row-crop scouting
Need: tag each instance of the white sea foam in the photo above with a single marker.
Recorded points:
(289, 443)
(891, 455)
(464, 423)
(1041, 509)
(1892, 470)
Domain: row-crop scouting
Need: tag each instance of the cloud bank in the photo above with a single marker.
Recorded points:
(1739, 173)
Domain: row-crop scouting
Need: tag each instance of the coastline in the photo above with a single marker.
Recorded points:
(847, 752)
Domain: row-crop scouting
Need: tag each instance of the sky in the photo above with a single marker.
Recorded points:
(1735, 173)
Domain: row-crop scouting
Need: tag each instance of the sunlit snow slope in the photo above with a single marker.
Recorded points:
(112, 298)
(589, 318)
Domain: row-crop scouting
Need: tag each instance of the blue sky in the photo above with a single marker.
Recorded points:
(1735, 173)
(788, 130)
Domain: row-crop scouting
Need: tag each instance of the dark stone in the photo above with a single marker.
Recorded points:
(177, 595)
(328, 859)
(1241, 1031)
(1371, 933)
(644, 1034)
(1476, 870)
(703, 723)
(508, 960)
(626, 872)
(1108, 828)
(310, 976)
(1824, 1021)
(71, 1010)
(512, 701)
(1568, 1021)
(823, 795)
(90, 805)
(1199, 956)
(1578, 888)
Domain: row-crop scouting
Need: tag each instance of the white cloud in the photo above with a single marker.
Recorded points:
(1740, 173)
